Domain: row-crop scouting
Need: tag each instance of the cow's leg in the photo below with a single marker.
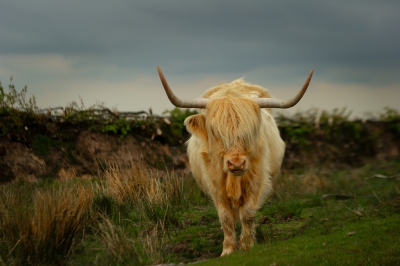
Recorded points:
(227, 218)
(247, 215)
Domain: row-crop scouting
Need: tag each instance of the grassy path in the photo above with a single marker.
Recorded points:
(363, 242)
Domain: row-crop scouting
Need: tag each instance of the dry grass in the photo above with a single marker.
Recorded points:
(141, 182)
(125, 213)
(124, 185)
(117, 244)
(153, 197)
(45, 227)
(140, 185)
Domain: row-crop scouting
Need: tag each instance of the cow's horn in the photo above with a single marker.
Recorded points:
(276, 103)
(183, 103)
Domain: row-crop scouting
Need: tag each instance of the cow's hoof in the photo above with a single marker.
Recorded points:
(246, 245)
(227, 251)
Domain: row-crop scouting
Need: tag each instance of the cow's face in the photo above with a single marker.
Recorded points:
(229, 128)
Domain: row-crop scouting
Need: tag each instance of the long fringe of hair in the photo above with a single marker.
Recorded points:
(233, 120)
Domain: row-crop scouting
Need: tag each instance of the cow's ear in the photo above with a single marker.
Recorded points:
(196, 125)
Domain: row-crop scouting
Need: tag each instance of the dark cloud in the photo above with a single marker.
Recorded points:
(208, 36)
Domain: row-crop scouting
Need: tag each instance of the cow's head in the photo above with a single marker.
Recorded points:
(229, 125)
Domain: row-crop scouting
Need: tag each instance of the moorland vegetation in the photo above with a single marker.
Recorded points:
(336, 202)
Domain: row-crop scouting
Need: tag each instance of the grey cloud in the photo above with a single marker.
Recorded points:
(208, 36)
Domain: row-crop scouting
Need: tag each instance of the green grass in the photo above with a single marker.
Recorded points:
(302, 228)
(140, 217)
(375, 242)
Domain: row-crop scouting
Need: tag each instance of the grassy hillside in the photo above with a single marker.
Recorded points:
(135, 217)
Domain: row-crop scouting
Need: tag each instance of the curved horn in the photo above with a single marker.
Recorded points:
(183, 103)
(276, 103)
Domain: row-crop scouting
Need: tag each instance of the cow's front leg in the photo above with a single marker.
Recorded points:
(227, 218)
(247, 216)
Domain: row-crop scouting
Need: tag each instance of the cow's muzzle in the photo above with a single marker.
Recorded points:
(237, 167)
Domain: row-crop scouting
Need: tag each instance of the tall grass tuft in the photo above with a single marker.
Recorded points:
(119, 247)
(44, 226)
(146, 203)
(153, 195)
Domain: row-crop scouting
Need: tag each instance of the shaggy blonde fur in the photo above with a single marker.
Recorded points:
(234, 121)
(233, 129)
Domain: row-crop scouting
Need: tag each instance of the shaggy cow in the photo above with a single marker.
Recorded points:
(234, 151)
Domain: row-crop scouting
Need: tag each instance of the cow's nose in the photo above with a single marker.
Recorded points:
(236, 165)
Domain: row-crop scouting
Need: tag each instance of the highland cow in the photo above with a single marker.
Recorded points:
(235, 150)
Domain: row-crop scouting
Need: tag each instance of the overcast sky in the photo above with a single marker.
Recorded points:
(107, 51)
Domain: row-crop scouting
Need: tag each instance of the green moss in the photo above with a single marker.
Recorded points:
(41, 144)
